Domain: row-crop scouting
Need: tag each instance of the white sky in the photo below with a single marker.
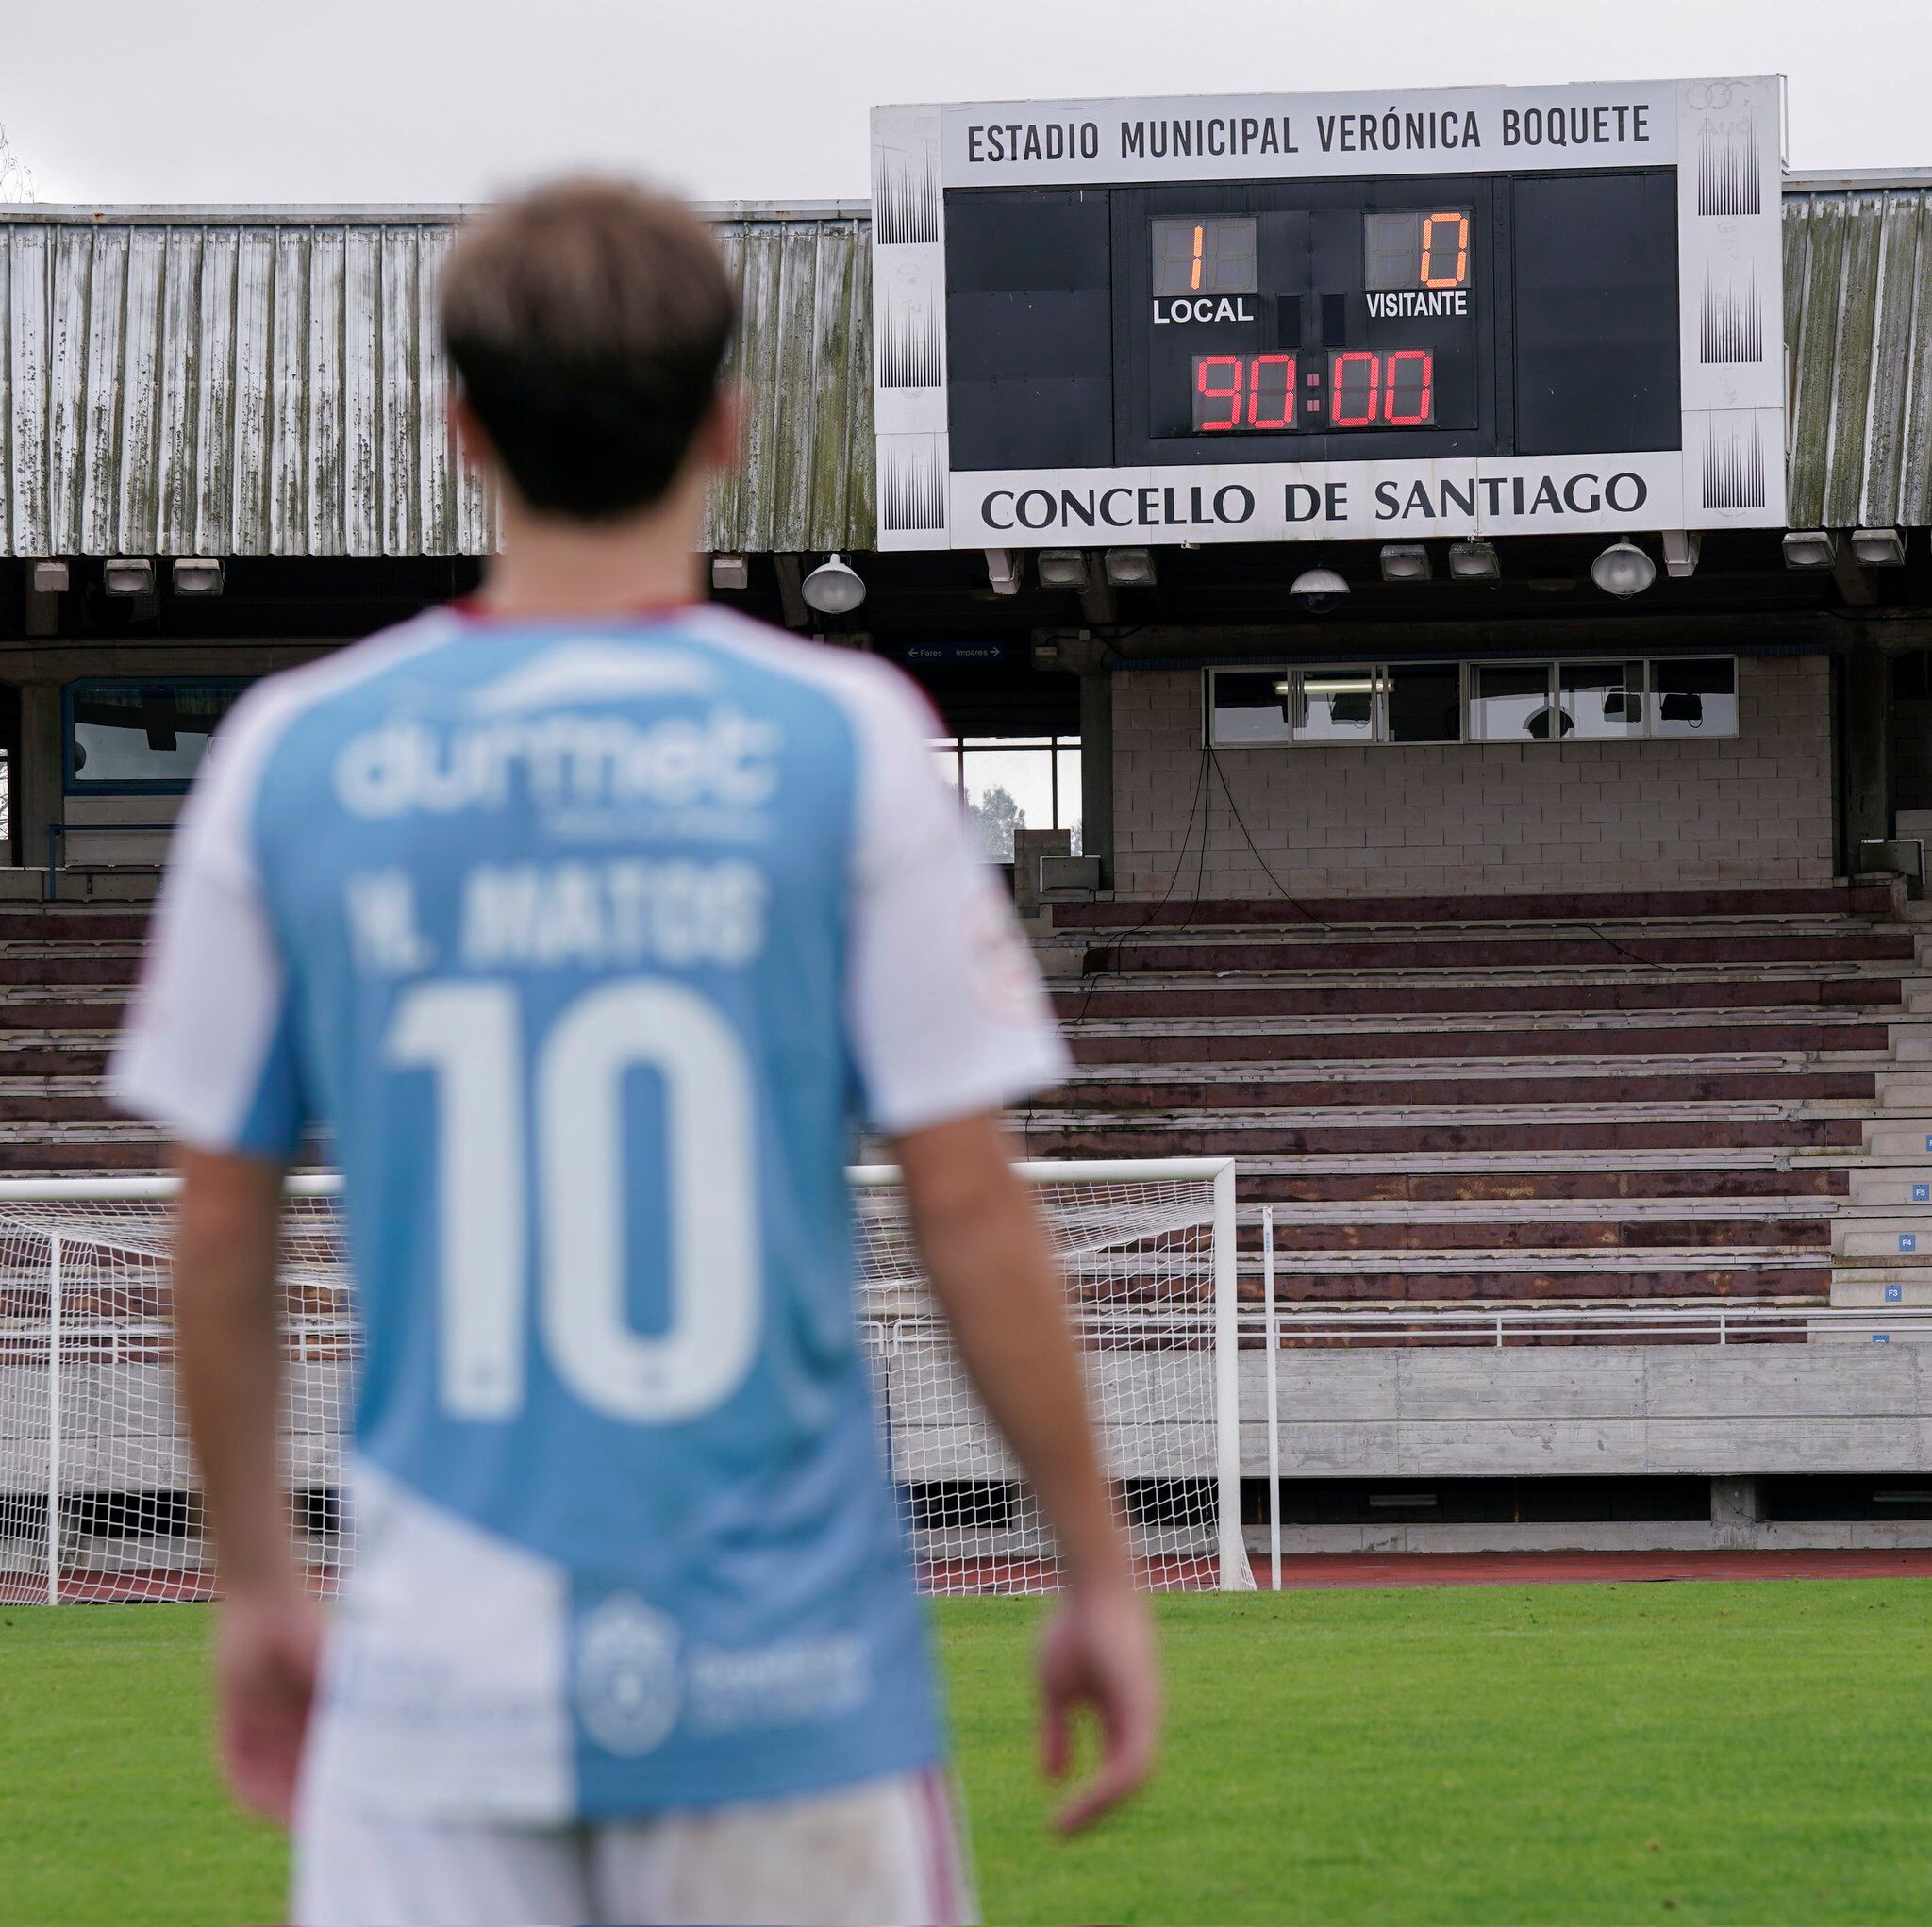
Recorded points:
(450, 100)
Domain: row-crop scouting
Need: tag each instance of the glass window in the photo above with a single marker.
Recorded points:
(1249, 706)
(142, 735)
(1007, 782)
(1696, 695)
(1601, 699)
(1337, 704)
(1511, 703)
(1424, 702)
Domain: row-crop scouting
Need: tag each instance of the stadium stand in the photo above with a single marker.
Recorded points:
(1692, 1095)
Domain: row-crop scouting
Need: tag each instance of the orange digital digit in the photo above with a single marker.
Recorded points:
(1196, 283)
(1457, 225)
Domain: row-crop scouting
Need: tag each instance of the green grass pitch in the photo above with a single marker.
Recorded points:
(1707, 1752)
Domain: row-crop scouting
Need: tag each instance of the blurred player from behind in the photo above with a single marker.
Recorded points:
(590, 919)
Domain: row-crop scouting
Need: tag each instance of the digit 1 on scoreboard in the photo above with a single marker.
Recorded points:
(1195, 282)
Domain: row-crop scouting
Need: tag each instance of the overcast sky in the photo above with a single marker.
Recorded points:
(453, 100)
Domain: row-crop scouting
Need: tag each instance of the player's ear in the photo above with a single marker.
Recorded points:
(475, 449)
(718, 436)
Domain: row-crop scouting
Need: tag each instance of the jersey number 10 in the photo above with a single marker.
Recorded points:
(469, 1034)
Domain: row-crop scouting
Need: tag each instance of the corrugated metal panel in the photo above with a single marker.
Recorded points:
(265, 384)
(1858, 331)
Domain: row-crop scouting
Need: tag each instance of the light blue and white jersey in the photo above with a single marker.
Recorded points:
(590, 942)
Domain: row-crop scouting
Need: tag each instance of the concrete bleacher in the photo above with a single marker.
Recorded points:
(1692, 1096)
(1687, 1096)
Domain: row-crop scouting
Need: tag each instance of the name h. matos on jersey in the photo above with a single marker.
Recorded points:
(589, 778)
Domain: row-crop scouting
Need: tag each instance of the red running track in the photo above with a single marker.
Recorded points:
(1301, 1571)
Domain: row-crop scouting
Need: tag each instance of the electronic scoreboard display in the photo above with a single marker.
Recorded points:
(1468, 311)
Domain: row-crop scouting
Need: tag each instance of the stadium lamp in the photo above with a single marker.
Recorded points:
(50, 578)
(1622, 569)
(127, 576)
(1474, 561)
(197, 575)
(833, 589)
(730, 571)
(1879, 548)
(1404, 562)
(1811, 548)
(1130, 568)
(1062, 569)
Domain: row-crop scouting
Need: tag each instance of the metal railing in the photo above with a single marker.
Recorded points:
(58, 832)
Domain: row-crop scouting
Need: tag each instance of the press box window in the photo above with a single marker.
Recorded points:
(142, 736)
(1395, 702)
(1339, 702)
(1696, 695)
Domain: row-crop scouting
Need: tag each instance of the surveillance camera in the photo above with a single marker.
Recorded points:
(1318, 590)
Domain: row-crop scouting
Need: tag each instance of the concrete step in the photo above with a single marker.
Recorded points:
(1883, 1237)
(1800, 899)
(1587, 950)
(1243, 994)
(1366, 1090)
(1297, 1233)
(1514, 1277)
(1596, 1181)
(1701, 1078)
(1552, 1140)
(1875, 1187)
(1904, 1090)
(1899, 1139)
(94, 972)
(1374, 1032)
(1820, 1332)
(1860, 1293)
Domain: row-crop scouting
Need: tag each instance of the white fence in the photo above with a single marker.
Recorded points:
(98, 1498)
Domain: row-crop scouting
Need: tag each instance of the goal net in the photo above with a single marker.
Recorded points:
(98, 1495)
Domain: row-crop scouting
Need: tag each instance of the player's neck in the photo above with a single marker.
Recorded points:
(553, 566)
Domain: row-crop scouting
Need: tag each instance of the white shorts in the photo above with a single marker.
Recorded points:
(886, 1851)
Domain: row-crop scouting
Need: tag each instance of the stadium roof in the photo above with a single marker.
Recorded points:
(267, 381)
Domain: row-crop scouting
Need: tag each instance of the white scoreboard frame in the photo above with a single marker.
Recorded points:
(1724, 136)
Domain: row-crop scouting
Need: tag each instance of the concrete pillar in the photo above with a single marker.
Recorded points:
(1867, 751)
(37, 784)
(1097, 771)
(1737, 1511)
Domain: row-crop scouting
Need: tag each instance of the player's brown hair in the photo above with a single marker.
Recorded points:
(587, 323)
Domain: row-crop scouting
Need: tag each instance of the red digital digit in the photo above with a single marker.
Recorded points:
(1355, 389)
(1213, 365)
(1411, 399)
(1257, 372)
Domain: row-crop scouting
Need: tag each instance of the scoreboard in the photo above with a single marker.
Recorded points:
(1468, 311)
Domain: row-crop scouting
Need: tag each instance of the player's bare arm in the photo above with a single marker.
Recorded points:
(996, 1282)
(230, 1361)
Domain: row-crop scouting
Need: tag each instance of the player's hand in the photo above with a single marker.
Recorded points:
(270, 1644)
(1099, 1652)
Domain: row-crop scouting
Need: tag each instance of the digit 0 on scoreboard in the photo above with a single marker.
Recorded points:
(1416, 247)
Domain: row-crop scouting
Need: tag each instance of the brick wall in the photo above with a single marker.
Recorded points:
(1752, 808)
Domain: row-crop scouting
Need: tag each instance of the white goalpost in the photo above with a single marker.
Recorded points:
(99, 1500)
